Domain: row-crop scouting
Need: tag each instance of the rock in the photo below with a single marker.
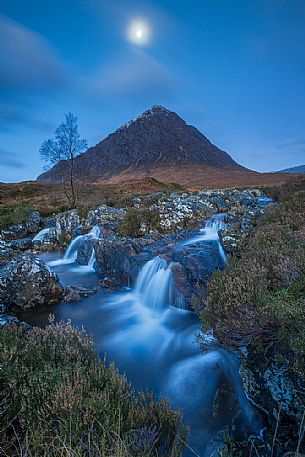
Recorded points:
(9, 319)
(74, 293)
(104, 213)
(33, 222)
(27, 282)
(118, 259)
(15, 232)
(48, 222)
(22, 244)
(7, 254)
(67, 222)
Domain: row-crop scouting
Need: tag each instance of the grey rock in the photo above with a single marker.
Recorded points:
(22, 244)
(67, 222)
(33, 222)
(14, 232)
(75, 293)
(27, 282)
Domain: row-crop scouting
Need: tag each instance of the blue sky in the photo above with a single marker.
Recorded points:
(233, 68)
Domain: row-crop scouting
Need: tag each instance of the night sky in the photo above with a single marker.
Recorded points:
(234, 69)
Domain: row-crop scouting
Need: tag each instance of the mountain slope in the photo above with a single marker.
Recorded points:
(156, 140)
(299, 169)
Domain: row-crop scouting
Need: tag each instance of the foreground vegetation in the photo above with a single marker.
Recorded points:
(58, 399)
(258, 301)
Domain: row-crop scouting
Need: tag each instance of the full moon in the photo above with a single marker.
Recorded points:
(139, 32)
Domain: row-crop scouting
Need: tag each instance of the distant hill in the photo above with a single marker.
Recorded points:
(298, 170)
(161, 145)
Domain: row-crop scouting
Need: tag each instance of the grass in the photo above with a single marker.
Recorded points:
(58, 398)
(17, 200)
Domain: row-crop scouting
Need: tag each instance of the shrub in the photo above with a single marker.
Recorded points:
(261, 296)
(139, 221)
(59, 399)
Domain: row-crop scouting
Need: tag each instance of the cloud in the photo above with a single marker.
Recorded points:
(14, 117)
(28, 61)
(295, 143)
(133, 74)
(11, 159)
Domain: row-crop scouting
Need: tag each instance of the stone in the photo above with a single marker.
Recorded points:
(15, 232)
(67, 222)
(22, 244)
(33, 222)
(75, 293)
(27, 282)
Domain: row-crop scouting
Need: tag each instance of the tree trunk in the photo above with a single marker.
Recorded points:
(73, 194)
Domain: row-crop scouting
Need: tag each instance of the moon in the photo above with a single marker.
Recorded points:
(139, 32)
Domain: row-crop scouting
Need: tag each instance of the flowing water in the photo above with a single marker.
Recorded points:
(70, 255)
(155, 345)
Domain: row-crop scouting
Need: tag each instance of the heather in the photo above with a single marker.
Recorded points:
(258, 303)
(58, 398)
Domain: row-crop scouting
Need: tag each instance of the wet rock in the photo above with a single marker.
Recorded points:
(75, 293)
(27, 282)
(22, 244)
(9, 319)
(118, 259)
(197, 263)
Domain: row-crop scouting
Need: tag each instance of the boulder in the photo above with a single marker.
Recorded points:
(15, 232)
(104, 213)
(22, 244)
(67, 222)
(27, 282)
(118, 259)
(76, 293)
(33, 222)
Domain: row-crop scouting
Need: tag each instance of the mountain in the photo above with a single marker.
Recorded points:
(156, 140)
(300, 170)
(160, 145)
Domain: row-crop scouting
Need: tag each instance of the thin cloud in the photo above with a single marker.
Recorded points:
(11, 160)
(291, 142)
(132, 75)
(28, 61)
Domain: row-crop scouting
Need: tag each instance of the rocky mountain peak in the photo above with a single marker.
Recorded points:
(156, 139)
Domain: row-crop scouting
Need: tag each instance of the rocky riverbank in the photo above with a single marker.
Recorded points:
(27, 282)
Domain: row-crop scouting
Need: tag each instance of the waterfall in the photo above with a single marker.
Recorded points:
(210, 233)
(41, 235)
(92, 259)
(71, 251)
(154, 284)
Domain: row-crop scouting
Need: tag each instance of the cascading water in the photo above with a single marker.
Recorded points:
(210, 233)
(42, 234)
(154, 284)
(154, 344)
(71, 252)
(92, 259)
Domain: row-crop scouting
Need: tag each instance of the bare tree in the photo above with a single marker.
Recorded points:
(64, 148)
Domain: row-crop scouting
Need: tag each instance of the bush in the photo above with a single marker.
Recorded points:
(59, 399)
(139, 221)
(261, 296)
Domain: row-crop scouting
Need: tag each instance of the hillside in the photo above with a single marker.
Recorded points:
(299, 169)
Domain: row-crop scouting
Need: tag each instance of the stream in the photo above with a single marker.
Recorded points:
(155, 344)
